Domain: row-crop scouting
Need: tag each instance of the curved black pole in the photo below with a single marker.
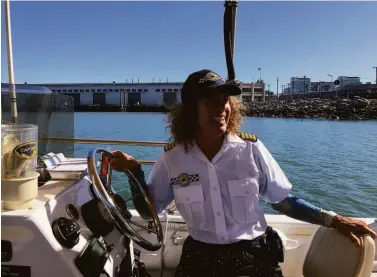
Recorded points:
(229, 34)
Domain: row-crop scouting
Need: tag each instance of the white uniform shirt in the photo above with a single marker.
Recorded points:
(219, 199)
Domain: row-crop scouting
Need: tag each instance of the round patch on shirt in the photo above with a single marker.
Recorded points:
(184, 179)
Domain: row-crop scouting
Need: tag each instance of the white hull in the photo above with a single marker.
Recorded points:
(34, 244)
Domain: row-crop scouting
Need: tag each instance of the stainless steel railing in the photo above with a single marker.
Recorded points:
(107, 141)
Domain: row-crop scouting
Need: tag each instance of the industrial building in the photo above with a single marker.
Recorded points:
(138, 93)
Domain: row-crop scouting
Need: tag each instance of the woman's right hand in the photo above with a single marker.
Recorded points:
(122, 161)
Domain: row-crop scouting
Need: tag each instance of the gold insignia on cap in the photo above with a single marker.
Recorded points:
(247, 136)
(210, 76)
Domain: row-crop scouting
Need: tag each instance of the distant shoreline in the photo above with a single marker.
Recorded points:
(316, 108)
(313, 108)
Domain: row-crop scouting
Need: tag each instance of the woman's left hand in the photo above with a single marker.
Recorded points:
(351, 228)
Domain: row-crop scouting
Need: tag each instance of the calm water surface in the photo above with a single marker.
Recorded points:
(332, 164)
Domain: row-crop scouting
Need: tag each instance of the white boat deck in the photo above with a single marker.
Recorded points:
(296, 235)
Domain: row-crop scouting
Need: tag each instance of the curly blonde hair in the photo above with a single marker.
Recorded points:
(182, 122)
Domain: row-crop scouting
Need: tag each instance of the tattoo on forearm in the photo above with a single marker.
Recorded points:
(300, 209)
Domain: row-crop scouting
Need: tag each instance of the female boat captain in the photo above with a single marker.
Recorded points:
(216, 176)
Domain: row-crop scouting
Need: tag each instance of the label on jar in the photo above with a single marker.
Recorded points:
(26, 150)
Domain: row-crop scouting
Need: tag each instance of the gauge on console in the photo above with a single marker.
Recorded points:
(72, 212)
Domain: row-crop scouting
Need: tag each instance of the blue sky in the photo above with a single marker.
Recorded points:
(114, 41)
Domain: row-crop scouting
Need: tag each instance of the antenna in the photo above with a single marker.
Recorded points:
(12, 91)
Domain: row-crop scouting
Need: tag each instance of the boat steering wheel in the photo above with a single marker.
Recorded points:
(105, 194)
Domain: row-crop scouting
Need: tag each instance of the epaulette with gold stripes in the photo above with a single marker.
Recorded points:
(247, 136)
(169, 146)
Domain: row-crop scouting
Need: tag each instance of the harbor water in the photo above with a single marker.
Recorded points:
(332, 164)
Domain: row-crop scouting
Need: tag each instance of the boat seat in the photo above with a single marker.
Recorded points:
(331, 254)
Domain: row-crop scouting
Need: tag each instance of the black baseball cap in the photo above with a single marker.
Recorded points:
(203, 83)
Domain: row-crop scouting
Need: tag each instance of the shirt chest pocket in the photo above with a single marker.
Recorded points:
(244, 197)
(190, 204)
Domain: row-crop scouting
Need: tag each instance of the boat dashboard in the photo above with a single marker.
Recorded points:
(66, 233)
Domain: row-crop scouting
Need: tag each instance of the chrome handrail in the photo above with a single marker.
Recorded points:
(107, 141)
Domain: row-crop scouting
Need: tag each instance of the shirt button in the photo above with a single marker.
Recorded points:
(187, 199)
(247, 192)
(215, 189)
(218, 213)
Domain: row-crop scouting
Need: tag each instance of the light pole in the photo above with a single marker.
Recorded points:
(277, 87)
(375, 67)
(304, 84)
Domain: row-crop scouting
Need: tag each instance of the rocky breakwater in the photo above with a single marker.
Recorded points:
(355, 109)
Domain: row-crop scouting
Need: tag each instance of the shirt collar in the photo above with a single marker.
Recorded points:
(229, 138)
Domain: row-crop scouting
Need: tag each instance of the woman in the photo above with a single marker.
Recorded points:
(216, 175)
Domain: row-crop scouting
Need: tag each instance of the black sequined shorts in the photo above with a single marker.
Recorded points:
(252, 258)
